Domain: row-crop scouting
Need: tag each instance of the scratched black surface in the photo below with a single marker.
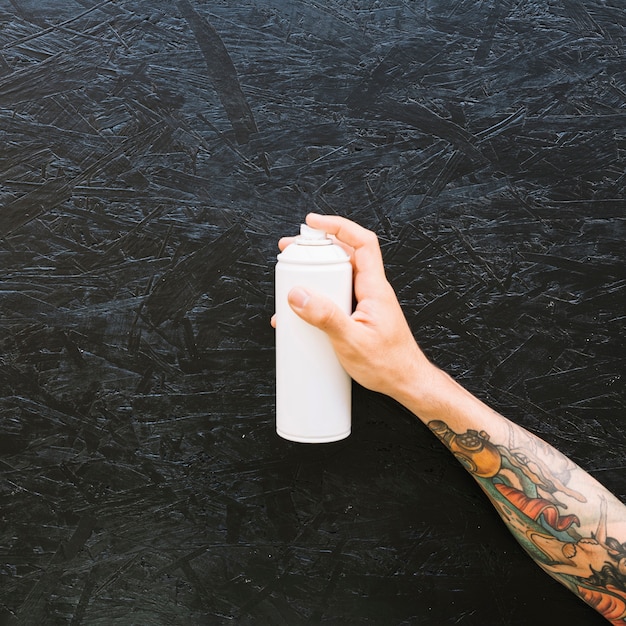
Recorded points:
(151, 153)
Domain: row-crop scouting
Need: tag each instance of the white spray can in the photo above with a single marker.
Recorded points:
(313, 391)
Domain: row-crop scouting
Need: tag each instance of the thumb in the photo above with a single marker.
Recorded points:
(318, 310)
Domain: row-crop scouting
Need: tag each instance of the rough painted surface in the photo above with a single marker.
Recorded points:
(151, 153)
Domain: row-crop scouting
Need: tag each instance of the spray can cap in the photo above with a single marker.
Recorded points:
(312, 237)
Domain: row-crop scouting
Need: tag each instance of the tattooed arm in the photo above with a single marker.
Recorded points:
(572, 526)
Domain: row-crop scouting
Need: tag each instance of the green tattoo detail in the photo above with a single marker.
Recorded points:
(530, 498)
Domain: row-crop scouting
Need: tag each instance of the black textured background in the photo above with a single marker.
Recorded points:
(151, 154)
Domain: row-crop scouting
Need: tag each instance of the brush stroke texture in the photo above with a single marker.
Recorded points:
(151, 154)
(222, 73)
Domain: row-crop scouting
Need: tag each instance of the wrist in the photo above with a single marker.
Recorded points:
(432, 394)
(419, 384)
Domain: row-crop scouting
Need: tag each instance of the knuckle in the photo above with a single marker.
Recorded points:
(326, 319)
(370, 238)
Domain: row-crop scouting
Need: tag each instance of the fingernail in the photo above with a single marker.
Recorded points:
(298, 297)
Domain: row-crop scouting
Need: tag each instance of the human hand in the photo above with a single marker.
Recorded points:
(374, 344)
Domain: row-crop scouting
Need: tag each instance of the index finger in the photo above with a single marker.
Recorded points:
(367, 255)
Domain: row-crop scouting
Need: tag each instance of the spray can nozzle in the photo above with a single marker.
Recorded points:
(312, 236)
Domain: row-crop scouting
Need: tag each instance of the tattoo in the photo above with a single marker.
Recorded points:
(530, 494)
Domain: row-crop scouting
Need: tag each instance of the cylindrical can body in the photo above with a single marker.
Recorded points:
(313, 391)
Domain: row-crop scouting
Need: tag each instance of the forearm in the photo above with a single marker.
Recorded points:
(571, 525)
